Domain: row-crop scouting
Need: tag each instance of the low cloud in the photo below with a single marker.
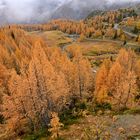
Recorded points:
(27, 11)
(32, 11)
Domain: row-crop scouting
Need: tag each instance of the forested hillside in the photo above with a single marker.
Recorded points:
(69, 79)
(98, 24)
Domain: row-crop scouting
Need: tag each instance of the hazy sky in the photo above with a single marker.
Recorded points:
(26, 9)
(35, 10)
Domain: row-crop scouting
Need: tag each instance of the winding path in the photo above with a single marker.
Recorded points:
(116, 27)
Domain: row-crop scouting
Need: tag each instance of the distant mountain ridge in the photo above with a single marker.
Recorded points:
(79, 9)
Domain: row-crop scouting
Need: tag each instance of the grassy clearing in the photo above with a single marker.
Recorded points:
(54, 38)
(132, 111)
(97, 51)
(90, 48)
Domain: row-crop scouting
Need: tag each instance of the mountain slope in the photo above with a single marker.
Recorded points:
(79, 9)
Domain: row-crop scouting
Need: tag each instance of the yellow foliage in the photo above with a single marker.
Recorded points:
(55, 125)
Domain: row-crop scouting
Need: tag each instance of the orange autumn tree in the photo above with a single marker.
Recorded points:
(4, 77)
(84, 77)
(101, 85)
(118, 84)
(77, 70)
(138, 73)
(82, 37)
(34, 94)
(55, 125)
(64, 65)
(122, 80)
(16, 105)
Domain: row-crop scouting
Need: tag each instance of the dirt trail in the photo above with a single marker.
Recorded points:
(116, 26)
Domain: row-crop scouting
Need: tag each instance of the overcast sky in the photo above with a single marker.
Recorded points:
(21, 10)
(25, 10)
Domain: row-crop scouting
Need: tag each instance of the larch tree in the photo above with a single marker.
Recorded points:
(65, 66)
(138, 73)
(14, 110)
(84, 74)
(123, 80)
(82, 37)
(35, 94)
(122, 87)
(4, 77)
(51, 86)
(55, 125)
(117, 84)
(101, 85)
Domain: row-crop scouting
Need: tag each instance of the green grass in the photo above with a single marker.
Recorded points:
(60, 138)
(132, 111)
(54, 38)
(68, 119)
(1, 119)
(40, 135)
(134, 137)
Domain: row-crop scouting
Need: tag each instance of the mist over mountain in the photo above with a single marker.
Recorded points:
(36, 11)
(78, 9)
(27, 11)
